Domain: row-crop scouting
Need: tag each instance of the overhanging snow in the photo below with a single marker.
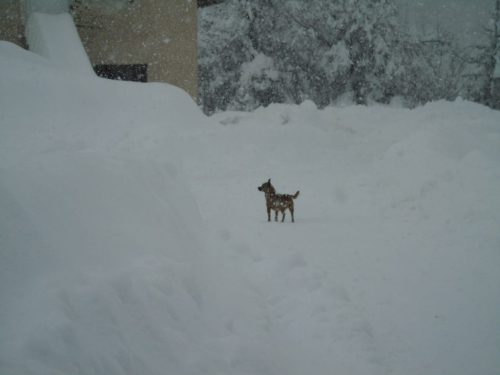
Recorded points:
(55, 37)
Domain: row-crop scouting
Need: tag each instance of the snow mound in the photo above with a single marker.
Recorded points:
(100, 236)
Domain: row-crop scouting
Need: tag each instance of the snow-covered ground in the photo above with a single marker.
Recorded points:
(133, 239)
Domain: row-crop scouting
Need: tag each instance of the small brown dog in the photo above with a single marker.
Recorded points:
(277, 202)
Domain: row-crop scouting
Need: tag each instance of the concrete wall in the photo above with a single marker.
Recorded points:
(159, 33)
(11, 22)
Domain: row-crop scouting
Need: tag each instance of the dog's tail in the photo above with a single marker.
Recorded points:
(296, 195)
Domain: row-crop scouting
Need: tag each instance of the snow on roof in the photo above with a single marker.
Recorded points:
(55, 37)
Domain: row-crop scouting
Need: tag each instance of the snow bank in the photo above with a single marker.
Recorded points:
(99, 233)
(54, 36)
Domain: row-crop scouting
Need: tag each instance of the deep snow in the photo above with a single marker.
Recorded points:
(133, 239)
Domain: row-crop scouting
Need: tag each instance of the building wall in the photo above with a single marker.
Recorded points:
(11, 22)
(159, 33)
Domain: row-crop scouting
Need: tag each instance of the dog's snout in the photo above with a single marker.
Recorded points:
(259, 188)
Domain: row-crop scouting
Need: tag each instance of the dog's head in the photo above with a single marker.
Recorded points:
(266, 187)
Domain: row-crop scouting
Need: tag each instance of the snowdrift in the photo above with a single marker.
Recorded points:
(99, 232)
(133, 239)
(399, 211)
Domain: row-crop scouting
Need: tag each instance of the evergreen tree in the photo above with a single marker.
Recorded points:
(254, 52)
(495, 84)
(223, 46)
(433, 68)
(482, 74)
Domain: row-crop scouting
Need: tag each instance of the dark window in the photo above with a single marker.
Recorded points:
(205, 3)
(136, 73)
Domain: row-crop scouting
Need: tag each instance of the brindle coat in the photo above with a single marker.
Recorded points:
(277, 202)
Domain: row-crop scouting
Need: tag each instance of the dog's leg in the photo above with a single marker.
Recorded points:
(268, 213)
(283, 212)
(291, 211)
(276, 216)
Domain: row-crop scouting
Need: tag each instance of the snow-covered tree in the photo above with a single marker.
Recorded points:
(253, 52)
(481, 78)
(223, 47)
(495, 84)
(433, 66)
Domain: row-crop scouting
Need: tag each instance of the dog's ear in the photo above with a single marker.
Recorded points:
(269, 181)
